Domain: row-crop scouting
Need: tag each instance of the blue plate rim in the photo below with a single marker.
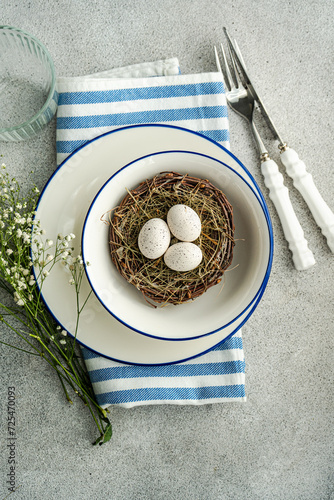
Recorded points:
(175, 127)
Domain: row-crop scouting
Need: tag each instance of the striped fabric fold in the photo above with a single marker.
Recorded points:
(95, 104)
(215, 377)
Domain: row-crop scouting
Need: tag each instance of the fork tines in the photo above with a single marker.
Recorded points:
(229, 70)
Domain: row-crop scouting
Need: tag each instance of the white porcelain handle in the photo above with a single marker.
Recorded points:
(303, 181)
(302, 256)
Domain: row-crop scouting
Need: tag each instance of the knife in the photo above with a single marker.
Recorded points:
(295, 167)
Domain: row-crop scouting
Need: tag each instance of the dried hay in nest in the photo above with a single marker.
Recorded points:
(153, 198)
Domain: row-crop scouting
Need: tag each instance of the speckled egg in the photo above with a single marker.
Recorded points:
(154, 238)
(183, 256)
(184, 223)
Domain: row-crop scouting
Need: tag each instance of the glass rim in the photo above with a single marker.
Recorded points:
(51, 93)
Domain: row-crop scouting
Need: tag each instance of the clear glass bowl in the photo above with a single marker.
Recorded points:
(28, 95)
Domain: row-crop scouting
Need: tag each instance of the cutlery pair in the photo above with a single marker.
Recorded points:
(241, 97)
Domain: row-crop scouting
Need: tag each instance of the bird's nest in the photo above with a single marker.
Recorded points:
(153, 198)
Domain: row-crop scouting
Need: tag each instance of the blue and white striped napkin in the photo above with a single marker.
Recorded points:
(92, 105)
(95, 104)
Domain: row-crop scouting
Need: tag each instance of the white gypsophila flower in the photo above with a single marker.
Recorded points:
(49, 243)
(21, 285)
(19, 301)
(9, 251)
(45, 273)
(26, 238)
(62, 341)
(19, 233)
(49, 257)
(64, 333)
(71, 281)
(69, 261)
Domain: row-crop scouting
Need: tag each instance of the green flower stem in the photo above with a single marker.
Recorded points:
(93, 415)
(63, 386)
(77, 322)
(65, 370)
(69, 379)
(79, 366)
(15, 330)
(19, 348)
(85, 396)
(72, 381)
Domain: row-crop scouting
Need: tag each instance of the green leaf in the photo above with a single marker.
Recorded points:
(107, 433)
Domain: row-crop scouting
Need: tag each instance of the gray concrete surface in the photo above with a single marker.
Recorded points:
(279, 444)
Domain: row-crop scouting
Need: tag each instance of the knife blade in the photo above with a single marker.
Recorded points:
(247, 82)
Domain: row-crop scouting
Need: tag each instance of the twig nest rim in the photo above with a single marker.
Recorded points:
(153, 198)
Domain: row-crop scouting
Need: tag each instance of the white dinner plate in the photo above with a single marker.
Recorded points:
(62, 208)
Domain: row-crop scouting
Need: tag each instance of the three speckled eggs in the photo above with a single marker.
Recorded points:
(155, 236)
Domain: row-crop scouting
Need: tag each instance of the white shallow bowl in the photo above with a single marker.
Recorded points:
(217, 308)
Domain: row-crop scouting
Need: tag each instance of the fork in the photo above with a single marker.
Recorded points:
(242, 102)
(294, 166)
